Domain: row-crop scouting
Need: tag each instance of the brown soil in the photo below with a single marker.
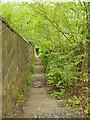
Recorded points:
(78, 90)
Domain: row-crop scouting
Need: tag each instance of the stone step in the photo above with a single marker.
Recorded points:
(38, 80)
(39, 62)
(40, 105)
(38, 69)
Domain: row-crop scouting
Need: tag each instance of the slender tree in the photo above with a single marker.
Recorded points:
(89, 39)
(88, 50)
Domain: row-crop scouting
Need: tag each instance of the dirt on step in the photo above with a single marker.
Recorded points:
(40, 105)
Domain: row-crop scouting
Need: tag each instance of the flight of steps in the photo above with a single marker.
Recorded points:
(39, 104)
(38, 79)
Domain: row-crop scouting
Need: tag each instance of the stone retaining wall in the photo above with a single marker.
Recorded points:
(17, 58)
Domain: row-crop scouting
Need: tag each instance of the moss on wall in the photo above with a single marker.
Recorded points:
(17, 59)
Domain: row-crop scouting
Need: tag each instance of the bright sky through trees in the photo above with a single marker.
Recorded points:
(4, 1)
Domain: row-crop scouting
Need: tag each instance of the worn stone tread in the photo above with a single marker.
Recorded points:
(39, 104)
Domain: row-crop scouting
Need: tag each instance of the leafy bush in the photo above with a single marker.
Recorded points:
(59, 30)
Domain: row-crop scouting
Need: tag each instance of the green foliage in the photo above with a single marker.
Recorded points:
(27, 81)
(59, 30)
(87, 110)
(55, 94)
(20, 99)
(75, 101)
(32, 69)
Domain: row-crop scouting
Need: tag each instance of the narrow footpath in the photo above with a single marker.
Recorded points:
(39, 104)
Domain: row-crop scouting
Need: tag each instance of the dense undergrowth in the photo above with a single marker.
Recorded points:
(60, 31)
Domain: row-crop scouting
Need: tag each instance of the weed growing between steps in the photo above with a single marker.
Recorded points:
(21, 97)
(27, 83)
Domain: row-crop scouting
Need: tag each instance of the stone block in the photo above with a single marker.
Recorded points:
(5, 84)
(9, 46)
(13, 90)
(0, 25)
(0, 76)
(5, 37)
(0, 39)
(16, 60)
(7, 103)
(3, 26)
(7, 42)
(6, 63)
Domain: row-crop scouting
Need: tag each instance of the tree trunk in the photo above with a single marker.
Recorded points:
(88, 51)
(88, 37)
